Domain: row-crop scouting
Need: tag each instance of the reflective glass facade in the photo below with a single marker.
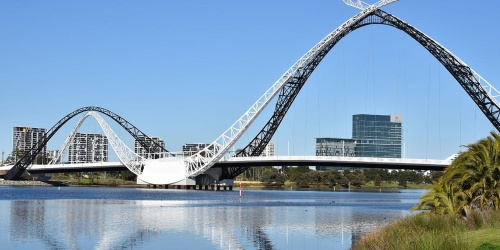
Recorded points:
(335, 147)
(377, 135)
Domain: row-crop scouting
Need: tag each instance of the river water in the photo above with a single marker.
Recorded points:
(117, 218)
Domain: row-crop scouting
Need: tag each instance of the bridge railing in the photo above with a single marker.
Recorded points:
(339, 159)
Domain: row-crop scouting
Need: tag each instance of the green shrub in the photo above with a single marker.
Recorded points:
(488, 246)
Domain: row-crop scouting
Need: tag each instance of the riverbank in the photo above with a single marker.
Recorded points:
(288, 185)
(29, 183)
(481, 231)
(72, 183)
(132, 184)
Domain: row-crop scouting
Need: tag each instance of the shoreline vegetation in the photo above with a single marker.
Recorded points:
(244, 184)
(480, 230)
(291, 185)
(460, 211)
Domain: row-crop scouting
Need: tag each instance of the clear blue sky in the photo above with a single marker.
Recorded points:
(186, 70)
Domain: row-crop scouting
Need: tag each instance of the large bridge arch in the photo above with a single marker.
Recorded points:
(20, 166)
(470, 81)
(287, 88)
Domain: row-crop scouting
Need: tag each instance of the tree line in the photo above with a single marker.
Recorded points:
(302, 176)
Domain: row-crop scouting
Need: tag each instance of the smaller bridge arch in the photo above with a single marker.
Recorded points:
(20, 166)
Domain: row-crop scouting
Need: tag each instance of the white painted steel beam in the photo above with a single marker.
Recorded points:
(207, 157)
(273, 160)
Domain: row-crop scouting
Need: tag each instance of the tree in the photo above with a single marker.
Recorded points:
(475, 174)
(272, 178)
(377, 180)
(331, 178)
(314, 177)
(346, 172)
(435, 175)
(358, 178)
(439, 200)
(402, 179)
(471, 182)
(344, 182)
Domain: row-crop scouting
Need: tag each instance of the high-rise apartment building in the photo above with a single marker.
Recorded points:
(25, 138)
(144, 152)
(88, 148)
(269, 150)
(377, 135)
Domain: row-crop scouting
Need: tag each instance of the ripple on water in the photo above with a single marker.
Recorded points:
(90, 218)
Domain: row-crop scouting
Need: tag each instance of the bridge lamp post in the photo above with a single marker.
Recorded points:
(343, 149)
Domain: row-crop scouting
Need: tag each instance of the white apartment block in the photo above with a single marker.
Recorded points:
(25, 138)
(88, 148)
(269, 150)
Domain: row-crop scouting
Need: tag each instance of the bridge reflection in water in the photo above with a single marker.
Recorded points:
(204, 224)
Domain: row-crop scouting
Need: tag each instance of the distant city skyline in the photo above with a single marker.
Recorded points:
(184, 74)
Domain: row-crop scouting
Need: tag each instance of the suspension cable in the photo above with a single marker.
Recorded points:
(428, 108)
(439, 108)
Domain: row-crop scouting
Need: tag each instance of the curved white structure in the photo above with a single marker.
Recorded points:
(159, 171)
(64, 148)
(127, 157)
(206, 158)
(174, 170)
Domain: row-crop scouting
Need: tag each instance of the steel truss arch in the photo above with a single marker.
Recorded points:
(480, 90)
(207, 157)
(20, 166)
(62, 151)
(127, 157)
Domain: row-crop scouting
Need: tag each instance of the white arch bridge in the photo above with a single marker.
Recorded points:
(204, 166)
(256, 161)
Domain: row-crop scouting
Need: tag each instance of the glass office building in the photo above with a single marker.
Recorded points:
(342, 147)
(377, 135)
(335, 147)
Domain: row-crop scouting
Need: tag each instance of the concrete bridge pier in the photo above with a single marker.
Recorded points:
(216, 187)
(208, 182)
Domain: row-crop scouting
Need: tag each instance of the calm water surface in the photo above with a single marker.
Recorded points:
(117, 218)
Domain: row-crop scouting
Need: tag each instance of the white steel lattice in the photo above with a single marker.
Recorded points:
(127, 157)
(492, 91)
(362, 5)
(207, 157)
(64, 148)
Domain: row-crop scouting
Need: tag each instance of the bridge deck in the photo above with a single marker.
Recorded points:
(361, 162)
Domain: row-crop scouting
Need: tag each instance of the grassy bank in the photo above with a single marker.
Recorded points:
(481, 230)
